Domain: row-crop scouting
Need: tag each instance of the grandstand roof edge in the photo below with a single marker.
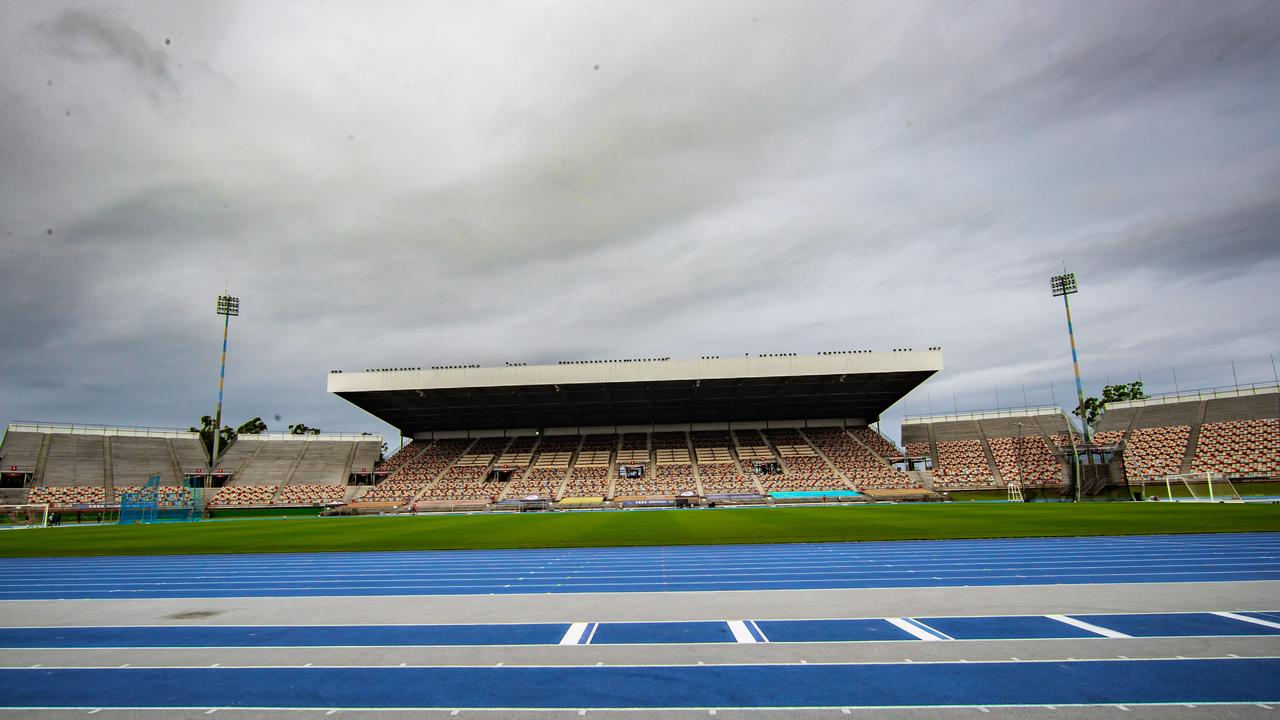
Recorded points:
(637, 371)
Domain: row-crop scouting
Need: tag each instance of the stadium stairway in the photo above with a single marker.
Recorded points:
(1194, 438)
(108, 474)
(42, 460)
(426, 488)
(870, 449)
(173, 458)
(992, 466)
(839, 473)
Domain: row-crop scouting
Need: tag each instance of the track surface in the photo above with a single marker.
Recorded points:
(737, 686)
(925, 629)
(939, 563)
(1131, 627)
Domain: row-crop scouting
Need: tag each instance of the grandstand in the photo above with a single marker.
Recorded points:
(640, 430)
(988, 449)
(1234, 431)
(87, 467)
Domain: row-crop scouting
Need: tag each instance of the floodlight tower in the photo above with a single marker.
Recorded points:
(1064, 286)
(228, 306)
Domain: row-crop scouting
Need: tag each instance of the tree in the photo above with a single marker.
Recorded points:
(226, 436)
(301, 429)
(1093, 407)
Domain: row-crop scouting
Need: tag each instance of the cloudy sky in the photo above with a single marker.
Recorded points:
(428, 183)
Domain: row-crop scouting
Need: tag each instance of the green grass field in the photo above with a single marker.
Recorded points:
(664, 527)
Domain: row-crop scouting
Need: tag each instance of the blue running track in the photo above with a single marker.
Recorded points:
(939, 563)
(1254, 680)
(994, 627)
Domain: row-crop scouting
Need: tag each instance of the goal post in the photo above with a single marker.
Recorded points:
(30, 515)
(1199, 487)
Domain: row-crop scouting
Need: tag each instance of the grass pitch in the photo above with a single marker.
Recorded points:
(650, 527)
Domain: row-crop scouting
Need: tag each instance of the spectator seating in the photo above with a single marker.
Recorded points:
(724, 479)
(588, 481)
(962, 464)
(716, 468)
(312, 494)
(918, 449)
(395, 491)
(863, 468)
(524, 444)
(168, 495)
(464, 483)
(63, 496)
(1156, 451)
(541, 481)
(1239, 447)
(271, 463)
(407, 481)
(468, 477)
(635, 441)
(75, 461)
(1105, 437)
(874, 440)
(242, 495)
(595, 443)
(1027, 459)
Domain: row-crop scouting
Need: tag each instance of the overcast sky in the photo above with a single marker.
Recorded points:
(424, 183)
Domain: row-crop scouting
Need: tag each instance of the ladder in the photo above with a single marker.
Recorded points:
(1015, 491)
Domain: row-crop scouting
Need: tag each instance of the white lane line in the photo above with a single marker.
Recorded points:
(1095, 629)
(574, 634)
(1246, 618)
(928, 628)
(592, 635)
(763, 638)
(740, 631)
(916, 632)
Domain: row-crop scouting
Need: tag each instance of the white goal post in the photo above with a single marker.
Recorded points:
(1191, 487)
(31, 515)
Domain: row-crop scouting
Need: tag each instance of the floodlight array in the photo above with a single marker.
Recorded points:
(1063, 284)
(228, 305)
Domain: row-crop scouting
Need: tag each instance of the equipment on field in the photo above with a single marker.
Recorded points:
(154, 504)
(19, 517)
(1015, 491)
(1192, 487)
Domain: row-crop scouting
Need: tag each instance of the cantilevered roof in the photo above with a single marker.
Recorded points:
(856, 385)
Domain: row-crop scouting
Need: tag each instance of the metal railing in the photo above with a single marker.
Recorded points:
(983, 414)
(1214, 393)
(135, 431)
(112, 430)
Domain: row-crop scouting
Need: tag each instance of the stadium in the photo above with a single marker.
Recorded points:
(674, 360)
(660, 432)
(643, 469)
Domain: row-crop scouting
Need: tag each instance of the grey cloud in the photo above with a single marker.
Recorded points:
(450, 183)
(91, 35)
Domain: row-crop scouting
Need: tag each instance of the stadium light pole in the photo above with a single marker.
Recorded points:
(1064, 286)
(228, 306)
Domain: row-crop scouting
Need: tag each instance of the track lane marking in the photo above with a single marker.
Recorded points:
(573, 635)
(911, 629)
(1096, 629)
(740, 632)
(1246, 618)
